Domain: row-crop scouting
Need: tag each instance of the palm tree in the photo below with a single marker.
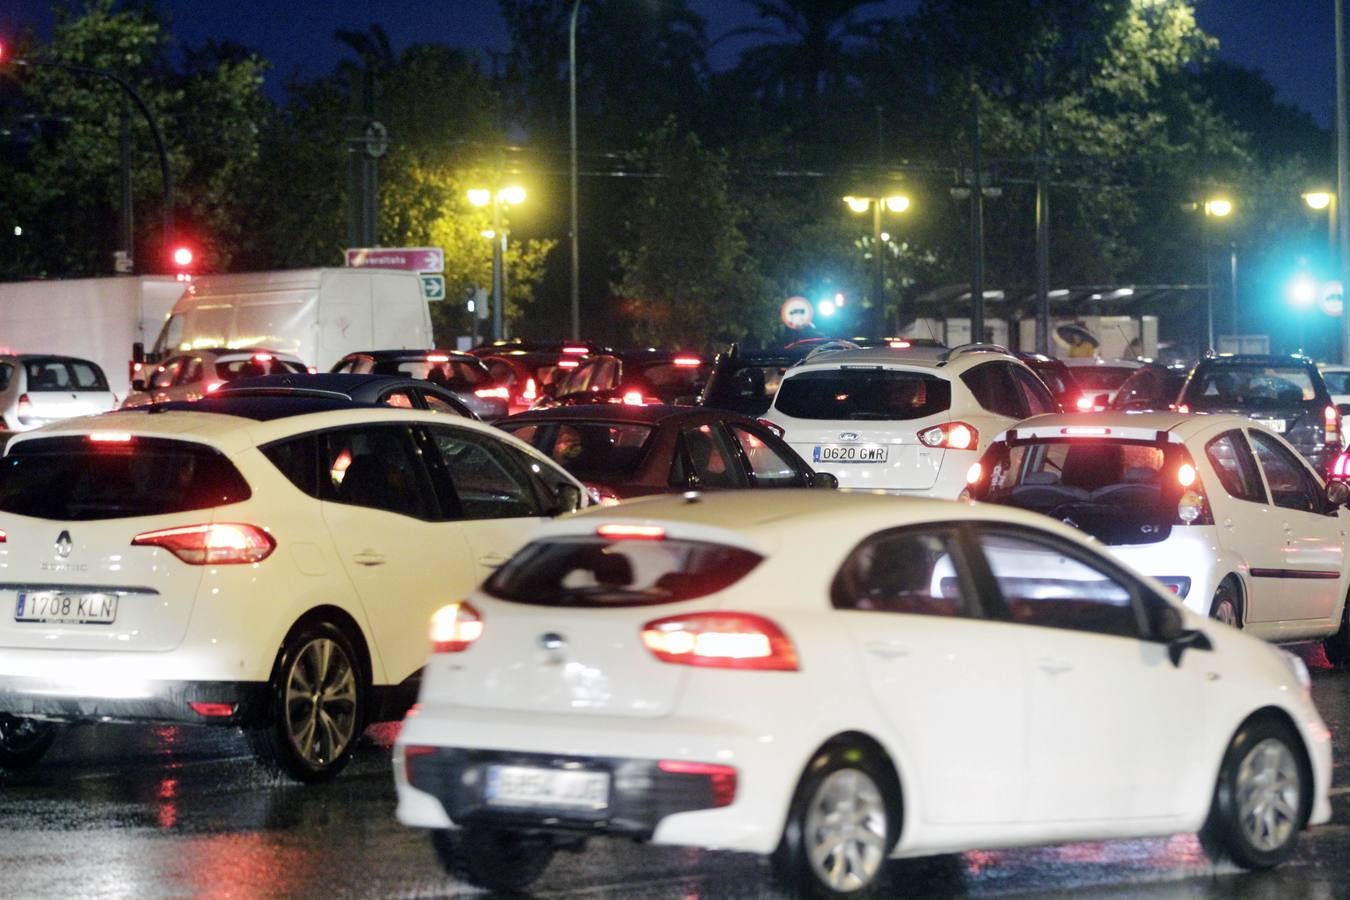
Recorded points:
(811, 57)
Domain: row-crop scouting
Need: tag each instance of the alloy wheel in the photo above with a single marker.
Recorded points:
(1267, 789)
(321, 703)
(845, 837)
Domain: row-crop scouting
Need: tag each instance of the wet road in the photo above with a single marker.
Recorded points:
(123, 812)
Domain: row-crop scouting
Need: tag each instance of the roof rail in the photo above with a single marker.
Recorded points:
(827, 347)
(975, 347)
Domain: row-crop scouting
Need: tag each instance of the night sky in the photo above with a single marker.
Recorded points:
(1291, 42)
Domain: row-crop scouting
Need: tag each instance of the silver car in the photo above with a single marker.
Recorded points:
(193, 374)
(39, 388)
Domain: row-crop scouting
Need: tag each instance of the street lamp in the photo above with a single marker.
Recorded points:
(896, 203)
(513, 195)
(1216, 207)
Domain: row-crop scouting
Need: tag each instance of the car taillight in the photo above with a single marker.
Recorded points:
(4, 536)
(313, 370)
(687, 362)
(1183, 409)
(109, 437)
(211, 545)
(1193, 507)
(1332, 417)
(777, 429)
(499, 393)
(25, 408)
(455, 627)
(214, 386)
(212, 710)
(603, 496)
(722, 779)
(578, 350)
(438, 357)
(620, 532)
(1084, 403)
(721, 640)
(951, 436)
(974, 473)
(531, 392)
(632, 398)
(262, 357)
(1341, 467)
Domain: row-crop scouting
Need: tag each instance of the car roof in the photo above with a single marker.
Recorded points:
(925, 357)
(648, 413)
(1075, 362)
(1129, 425)
(1254, 359)
(408, 355)
(29, 357)
(344, 383)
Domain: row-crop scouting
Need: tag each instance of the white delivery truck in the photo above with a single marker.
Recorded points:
(320, 315)
(97, 319)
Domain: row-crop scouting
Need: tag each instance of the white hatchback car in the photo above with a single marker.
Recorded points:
(908, 422)
(39, 388)
(199, 373)
(835, 679)
(1223, 511)
(267, 562)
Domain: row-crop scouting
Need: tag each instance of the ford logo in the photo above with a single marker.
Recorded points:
(848, 435)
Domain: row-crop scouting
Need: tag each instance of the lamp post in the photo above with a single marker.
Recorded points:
(572, 111)
(499, 200)
(896, 203)
(1218, 208)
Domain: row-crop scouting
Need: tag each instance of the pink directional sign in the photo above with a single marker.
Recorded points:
(415, 259)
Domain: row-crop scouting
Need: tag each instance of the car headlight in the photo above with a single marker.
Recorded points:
(1297, 668)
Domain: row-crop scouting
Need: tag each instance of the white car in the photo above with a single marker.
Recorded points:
(265, 562)
(1338, 382)
(1220, 509)
(792, 673)
(906, 422)
(199, 373)
(38, 388)
(1100, 379)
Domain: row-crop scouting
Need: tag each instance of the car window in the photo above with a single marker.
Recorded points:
(859, 394)
(298, 459)
(487, 482)
(376, 466)
(401, 398)
(1292, 486)
(1337, 382)
(1142, 389)
(710, 459)
(6, 370)
(592, 451)
(1042, 583)
(191, 371)
(995, 389)
(1249, 386)
(1036, 397)
(768, 467)
(88, 377)
(604, 375)
(909, 570)
(439, 404)
(1233, 463)
(502, 372)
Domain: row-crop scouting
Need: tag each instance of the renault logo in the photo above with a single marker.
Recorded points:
(63, 545)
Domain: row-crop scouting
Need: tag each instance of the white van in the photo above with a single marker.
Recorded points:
(320, 315)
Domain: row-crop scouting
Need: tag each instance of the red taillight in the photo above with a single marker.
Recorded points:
(951, 436)
(773, 426)
(632, 398)
(1341, 468)
(898, 345)
(1332, 416)
(1186, 475)
(262, 357)
(212, 710)
(313, 370)
(1183, 408)
(722, 778)
(214, 386)
(4, 536)
(499, 393)
(438, 357)
(618, 532)
(531, 392)
(110, 437)
(455, 627)
(579, 350)
(974, 473)
(1084, 431)
(723, 640)
(1085, 404)
(688, 362)
(211, 545)
(25, 408)
(568, 363)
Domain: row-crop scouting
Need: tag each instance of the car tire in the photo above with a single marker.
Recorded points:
(23, 741)
(317, 707)
(1337, 646)
(1226, 607)
(498, 859)
(1261, 797)
(841, 827)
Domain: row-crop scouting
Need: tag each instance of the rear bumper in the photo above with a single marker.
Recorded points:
(129, 700)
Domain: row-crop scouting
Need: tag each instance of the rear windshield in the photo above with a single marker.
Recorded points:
(594, 572)
(746, 383)
(456, 374)
(886, 394)
(1337, 382)
(252, 368)
(64, 375)
(1117, 491)
(592, 451)
(1101, 378)
(669, 375)
(75, 479)
(1250, 386)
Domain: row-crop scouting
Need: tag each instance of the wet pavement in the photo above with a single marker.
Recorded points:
(126, 812)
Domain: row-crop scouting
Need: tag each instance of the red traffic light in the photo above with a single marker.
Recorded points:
(182, 257)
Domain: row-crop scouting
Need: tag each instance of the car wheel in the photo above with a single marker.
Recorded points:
(318, 705)
(494, 858)
(1225, 607)
(1260, 800)
(23, 741)
(840, 827)
(1337, 646)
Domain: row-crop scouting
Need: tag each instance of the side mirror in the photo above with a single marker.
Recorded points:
(138, 384)
(569, 499)
(1169, 624)
(138, 352)
(824, 480)
(1194, 640)
(1338, 492)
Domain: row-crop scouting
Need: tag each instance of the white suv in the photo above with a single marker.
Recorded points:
(911, 421)
(265, 562)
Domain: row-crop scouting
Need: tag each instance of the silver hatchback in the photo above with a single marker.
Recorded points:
(39, 388)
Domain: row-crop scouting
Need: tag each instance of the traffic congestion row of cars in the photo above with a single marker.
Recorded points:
(629, 636)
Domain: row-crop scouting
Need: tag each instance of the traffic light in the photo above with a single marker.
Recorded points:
(182, 257)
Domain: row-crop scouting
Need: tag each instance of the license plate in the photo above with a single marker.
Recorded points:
(71, 609)
(829, 453)
(552, 788)
(1275, 425)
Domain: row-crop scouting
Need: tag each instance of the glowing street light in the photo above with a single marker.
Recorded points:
(895, 203)
(1216, 207)
(1319, 200)
(512, 195)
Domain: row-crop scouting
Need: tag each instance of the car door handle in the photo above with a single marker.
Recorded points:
(491, 560)
(1054, 666)
(887, 650)
(368, 558)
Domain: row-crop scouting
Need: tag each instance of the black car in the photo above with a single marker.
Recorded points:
(1284, 393)
(463, 375)
(1059, 380)
(745, 381)
(630, 376)
(623, 451)
(385, 390)
(1150, 389)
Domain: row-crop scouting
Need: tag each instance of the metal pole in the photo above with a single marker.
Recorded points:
(1232, 280)
(572, 109)
(498, 294)
(124, 258)
(977, 232)
(506, 286)
(1342, 178)
(878, 317)
(1209, 281)
(1042, 222)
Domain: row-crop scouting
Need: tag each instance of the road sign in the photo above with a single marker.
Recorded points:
(796, 312)
(433, 287)
(415, 259)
